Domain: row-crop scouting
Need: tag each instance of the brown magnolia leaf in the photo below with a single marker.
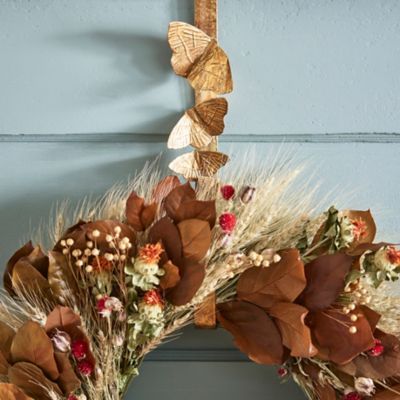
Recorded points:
(364, 217)
(364, 247)
(254, 331)
(331, 334)
(3, 364)
(167, 233)
(196, 238)
(388, 394)
(199, 164)
(63, 319)
(8, 391)
(171, 276)
(148, 215)
(380, 367)
(296, 335)
(176, 198)
(27, 279)
(67, 381)
(164, 188)
(199, 124)
(61, 278)
(30, 378)
(372, 316)
(6, 337)
(196, 209)
(192, 276)
(188, 43)
(325, 392)
(325, 280)
(134, 208)
(282, 282)
(31, 344)
(29, 254)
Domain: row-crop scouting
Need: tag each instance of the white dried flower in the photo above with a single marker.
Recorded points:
(364, 386)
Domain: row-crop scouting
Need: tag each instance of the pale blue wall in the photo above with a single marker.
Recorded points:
(71, 70)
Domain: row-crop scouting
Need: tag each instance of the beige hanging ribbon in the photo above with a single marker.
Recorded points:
(205, 16)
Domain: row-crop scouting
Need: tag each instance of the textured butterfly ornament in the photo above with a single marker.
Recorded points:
(199, 58)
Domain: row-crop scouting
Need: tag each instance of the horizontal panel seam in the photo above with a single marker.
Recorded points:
(162, 138)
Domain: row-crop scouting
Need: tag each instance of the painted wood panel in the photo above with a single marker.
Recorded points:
(93, 66)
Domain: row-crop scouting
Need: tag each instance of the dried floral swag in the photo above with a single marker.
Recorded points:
(303, 291)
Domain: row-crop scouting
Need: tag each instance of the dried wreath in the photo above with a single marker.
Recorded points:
(301, 291)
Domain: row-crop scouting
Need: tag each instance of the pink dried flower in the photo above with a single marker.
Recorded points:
(227, 222)
(248, 194)
(79, 349)
(72, 397)
(61, 341)
(106, 305)
(227, 192)
(85, 367)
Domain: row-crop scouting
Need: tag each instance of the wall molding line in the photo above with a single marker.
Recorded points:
(205, 355)
(162, 138)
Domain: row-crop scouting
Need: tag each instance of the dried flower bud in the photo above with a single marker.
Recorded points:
(282, 372)
(79, 349)
(227, 222)
(61, 341)
(377, 350)
(248, 194)
(364, 386)
(227, 192)
(85, 367)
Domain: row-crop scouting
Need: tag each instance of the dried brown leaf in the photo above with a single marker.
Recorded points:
(282, 282)
(178, 196)
(192, 276)
(9, 391)
(296, 336)
(196, 209)
(67, 381)
(254, 331)
(63, 319)
(367, 218)
(29, 378)
(3, 364)
(388, 394)
(164, 188)
(134, 208)
(379, 367)
(196, 238)
(167, 233)
(6, 337)
(332, 337)
(31, 344)
(148, 215)
(325, 280)
(171, 276)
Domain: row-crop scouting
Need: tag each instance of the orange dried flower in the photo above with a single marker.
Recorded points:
(150, 253)
(101, 264)
(360, 229)
(393, 255)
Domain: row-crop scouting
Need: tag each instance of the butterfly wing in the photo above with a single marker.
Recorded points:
(212, 71)
(212, 113)
(188, 44)
(199, 164)
(189, 131)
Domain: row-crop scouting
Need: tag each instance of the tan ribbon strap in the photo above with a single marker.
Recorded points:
(205, 18)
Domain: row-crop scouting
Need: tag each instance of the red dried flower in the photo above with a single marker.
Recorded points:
(153, 298)
(227, 191)
(85, 367)
(101, 303)
(72, 397)
(282, 372)
(352, 396)
(377, 350)
(227, 222)
(393, 255)
(79, 349)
